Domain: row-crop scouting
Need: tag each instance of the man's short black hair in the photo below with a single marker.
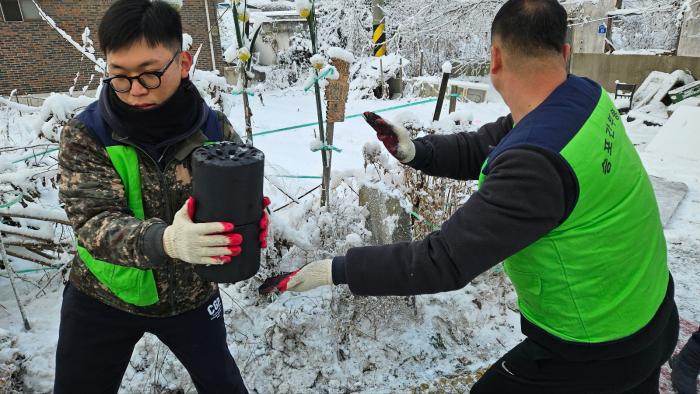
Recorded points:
(531, 27)
(128, 21)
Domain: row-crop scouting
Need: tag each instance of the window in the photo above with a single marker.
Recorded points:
(11, 10)
(29, 10)
(18, 10)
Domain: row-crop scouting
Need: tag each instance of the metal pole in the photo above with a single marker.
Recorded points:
(378, 28)
(319, 110)
(211, 39)
(441, 96)
(381, 76)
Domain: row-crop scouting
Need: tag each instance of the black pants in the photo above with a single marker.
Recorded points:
(691, 351)
(95, 342)
(530, 368)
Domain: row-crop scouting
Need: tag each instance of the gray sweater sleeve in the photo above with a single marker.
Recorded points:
(527, 193)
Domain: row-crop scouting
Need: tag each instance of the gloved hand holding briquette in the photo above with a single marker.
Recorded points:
(206, 243)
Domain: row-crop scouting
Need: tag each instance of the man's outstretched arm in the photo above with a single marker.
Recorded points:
(457, 156)
(527, 194)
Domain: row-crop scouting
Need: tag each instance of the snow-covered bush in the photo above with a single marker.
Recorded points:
(211, 87)
(345, 24)
(365, 75)
(441, 30)
(11, 364)
(430, 200)
(651, 25)
(292, 63)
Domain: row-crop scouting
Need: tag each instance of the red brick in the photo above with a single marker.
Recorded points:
(36, 59)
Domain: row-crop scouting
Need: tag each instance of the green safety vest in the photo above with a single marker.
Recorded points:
(601, 274)
(132, 285)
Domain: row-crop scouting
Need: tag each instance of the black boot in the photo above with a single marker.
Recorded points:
(686, 365)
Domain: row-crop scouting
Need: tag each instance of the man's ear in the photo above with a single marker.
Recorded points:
(185, 64)
(496, 60)
(567, 53)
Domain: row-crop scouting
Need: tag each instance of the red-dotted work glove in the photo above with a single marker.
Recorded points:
(200, 243)
(264, 222)
(311, 276)
(395, 138)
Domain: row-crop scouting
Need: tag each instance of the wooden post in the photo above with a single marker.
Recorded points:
(246, 107)
(336, 96)
(420, 67)
(326, 180)
(453, 99)
(441, 96)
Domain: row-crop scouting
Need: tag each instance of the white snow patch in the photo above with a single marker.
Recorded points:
(315, 145)
(231, 54)
(462, 117)
(679, 136)
(447, 67)
(340, 53)
(186, 42)
(657, 85)
(354, 240)
(317, 60)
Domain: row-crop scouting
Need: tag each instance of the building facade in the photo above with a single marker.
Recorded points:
(36, 59)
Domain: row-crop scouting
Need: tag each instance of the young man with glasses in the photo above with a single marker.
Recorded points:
(125, 171)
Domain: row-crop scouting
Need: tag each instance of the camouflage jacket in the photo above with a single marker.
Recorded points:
(96, 205)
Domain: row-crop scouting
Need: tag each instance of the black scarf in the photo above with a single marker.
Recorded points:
(155, 129)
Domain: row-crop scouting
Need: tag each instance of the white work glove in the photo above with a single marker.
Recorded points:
(311, 276)
(395, 138)
(200, 243)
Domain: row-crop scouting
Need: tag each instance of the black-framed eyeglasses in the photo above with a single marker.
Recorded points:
(148, 79)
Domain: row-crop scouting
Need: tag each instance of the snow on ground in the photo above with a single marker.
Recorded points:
(325, 340)
(682, 234)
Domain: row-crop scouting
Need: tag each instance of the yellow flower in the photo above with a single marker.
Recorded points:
(244, 17)
(304, 12)
(244, 54)
(318, 66)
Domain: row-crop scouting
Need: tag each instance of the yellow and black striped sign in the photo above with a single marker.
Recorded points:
(379, 40)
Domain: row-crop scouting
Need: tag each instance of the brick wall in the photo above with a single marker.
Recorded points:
(36, 59)
(194, 23)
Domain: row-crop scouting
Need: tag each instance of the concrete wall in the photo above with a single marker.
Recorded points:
(606, 69)
(275, 37)
(689, 43)
(585, 37)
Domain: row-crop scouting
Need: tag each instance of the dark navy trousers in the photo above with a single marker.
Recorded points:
(95, 344)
